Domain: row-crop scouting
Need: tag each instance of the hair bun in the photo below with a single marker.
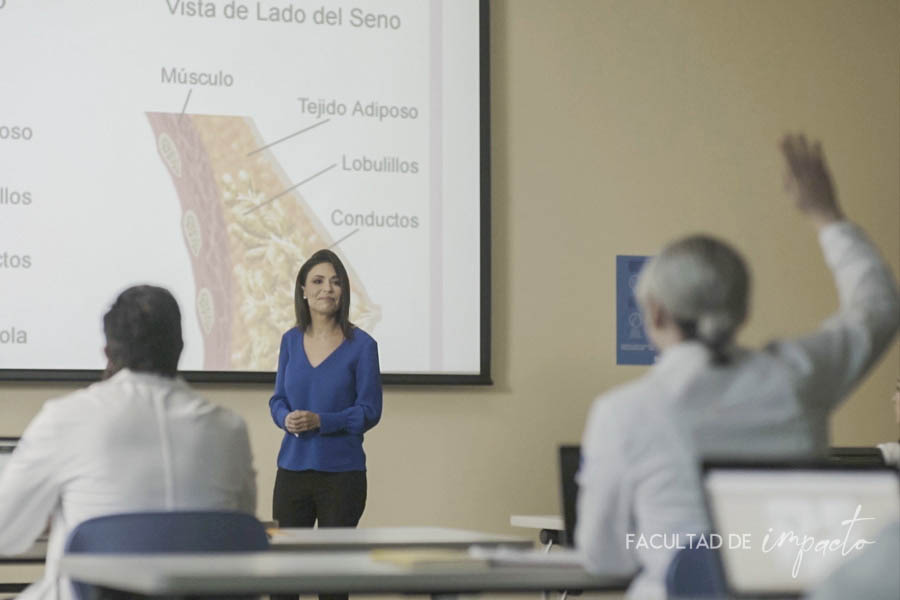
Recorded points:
(716, 327)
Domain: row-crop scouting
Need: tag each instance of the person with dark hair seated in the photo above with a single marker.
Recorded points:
(139, 440)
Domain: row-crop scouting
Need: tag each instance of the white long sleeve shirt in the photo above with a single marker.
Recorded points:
(642, 442)
(134, 442)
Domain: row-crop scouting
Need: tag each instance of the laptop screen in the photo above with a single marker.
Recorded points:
(782, 529)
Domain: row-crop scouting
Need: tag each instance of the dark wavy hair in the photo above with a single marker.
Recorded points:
(143, 332)
(301, 305)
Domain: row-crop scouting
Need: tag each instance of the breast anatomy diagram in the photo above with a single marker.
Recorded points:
(245, 228)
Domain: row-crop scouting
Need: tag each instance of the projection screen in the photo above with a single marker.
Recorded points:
(211, 147)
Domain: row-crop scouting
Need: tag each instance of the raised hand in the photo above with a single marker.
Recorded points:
(808, 180)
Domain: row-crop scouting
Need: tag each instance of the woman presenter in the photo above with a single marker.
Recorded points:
(327, 395)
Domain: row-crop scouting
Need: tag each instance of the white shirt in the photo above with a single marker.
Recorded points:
(134, 442)
(639, 471)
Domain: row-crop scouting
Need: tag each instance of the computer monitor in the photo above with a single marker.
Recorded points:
(856, 455)
(569, 462)
(7, 445)
(784, 527)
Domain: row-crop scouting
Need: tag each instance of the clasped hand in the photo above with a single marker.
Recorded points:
(299, 421)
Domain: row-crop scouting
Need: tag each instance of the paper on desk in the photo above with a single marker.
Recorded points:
(510, 557)
(427, 557)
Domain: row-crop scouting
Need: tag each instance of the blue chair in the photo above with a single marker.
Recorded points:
(165, 532)
(695, 573)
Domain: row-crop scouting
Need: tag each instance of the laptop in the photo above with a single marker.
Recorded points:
(569, 462)
(783, 527)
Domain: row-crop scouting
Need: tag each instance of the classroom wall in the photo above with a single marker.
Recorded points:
(618, 125)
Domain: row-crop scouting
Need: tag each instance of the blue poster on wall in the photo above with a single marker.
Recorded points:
(632, 345)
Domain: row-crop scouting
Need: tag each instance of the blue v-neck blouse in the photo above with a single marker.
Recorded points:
(344, 390)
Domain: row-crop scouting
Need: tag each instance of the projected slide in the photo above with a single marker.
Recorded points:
(211, 147)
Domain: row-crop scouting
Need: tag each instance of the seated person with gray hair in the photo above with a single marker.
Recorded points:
(141, 440)
(707, 397)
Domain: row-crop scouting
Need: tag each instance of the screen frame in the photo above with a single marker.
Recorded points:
(482, 378)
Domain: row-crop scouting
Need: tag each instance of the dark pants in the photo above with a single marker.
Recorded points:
(302, 498)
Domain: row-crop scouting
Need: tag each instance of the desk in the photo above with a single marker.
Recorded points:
(313, 572)
(10, 578)
(369, 538)
(552, 530)
(35, 554)
(346, 538)
(552, 527)
(552, 522)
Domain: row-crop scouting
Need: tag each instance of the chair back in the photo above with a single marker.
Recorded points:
(166, 532)
(695, 573)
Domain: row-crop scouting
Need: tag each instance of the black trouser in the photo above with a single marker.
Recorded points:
(301, 498)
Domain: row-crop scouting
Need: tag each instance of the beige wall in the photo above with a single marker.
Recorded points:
(617, 126)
